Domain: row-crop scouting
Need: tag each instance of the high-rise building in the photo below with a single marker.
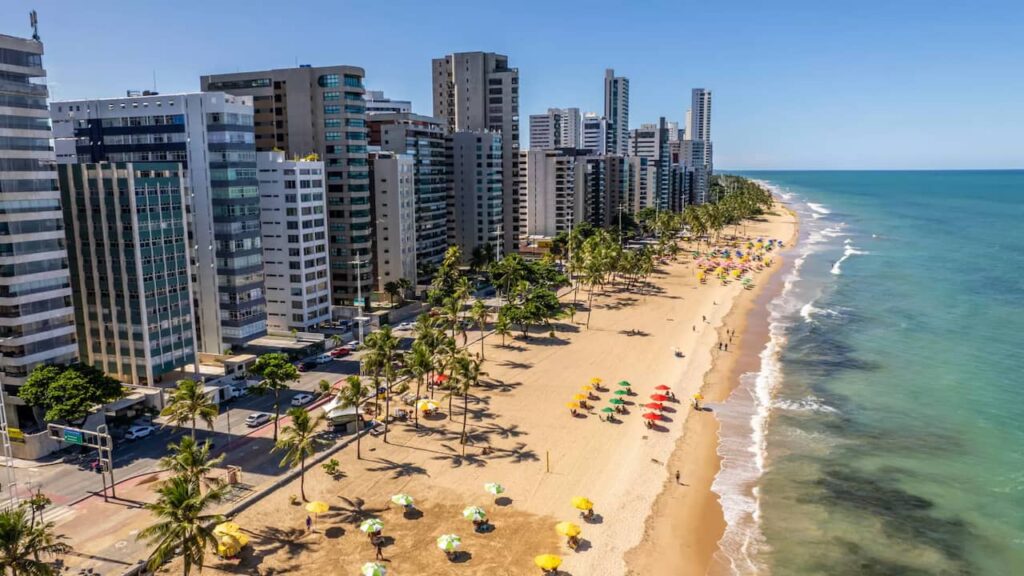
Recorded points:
(320, 110)
(36, 321)
(558, 128)
(698, 155)
(477, 91)
(127, 231)
(653, 142)
(211, 136)
(644, 142)
(377, 103)
(422, 138)
(595, 134)
(548, 182)
(700, 110)
(392, 178)
(294, 229)
(475, 204)
(616, 111)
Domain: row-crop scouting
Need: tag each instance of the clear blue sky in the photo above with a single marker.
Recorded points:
(816, 84)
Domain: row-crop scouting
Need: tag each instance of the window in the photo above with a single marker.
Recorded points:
(332, 123)
(331, 136)
(353, 81)
(332, 95)
(329, 81)
(332, 109)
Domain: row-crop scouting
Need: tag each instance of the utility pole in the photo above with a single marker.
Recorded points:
(359, 296)
(10, 476)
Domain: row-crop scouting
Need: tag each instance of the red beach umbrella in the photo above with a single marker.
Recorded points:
(661, 387)
(659, 397)
(654, 406)
(652, 416)
(441, 378)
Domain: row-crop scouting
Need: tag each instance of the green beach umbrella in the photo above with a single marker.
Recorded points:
(402, 499)
(448, 542)
(373, 569)
(616, 401)
(608, 409)
(474, 513)
(621, 392)
(623, 383)
(494, 488)
(371, 525)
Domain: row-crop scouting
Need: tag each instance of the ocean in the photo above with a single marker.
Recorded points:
(884, 431)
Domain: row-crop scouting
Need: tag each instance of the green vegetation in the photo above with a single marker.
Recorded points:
(23, 543)
(69, 393)
(299, 441)
(277, 372)
(187, 403)
(183, 525)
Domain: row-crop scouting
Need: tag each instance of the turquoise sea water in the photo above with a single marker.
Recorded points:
(884, 434)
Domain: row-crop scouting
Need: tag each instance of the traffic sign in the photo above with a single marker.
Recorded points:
(73, 436)
(359, 301)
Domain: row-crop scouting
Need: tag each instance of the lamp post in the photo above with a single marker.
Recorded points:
(359, 296)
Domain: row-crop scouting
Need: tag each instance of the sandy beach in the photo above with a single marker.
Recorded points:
(541, 453)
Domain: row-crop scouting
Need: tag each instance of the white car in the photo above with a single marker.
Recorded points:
(324, 359)
(136, 432)
(301, 399)
(257, 419)
(405, 326)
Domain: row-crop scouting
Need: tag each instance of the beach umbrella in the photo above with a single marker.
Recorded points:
(568, 529)
(373, 569)
(661, 387)
(573, 405)
(623, 383)
(652, 416)
(494, 488)
(621, 392)
(426, 405)
(607, 410)
(654, 406)
(448, 542)
(474, 513)
(229, 545)
(227, 528)
(659, 397)
(581, 503)
(547, 561)
(596, 380)
(402, 499)
(317, 507)
(616, 401)
(371, 525)
(698, 396)
(579, 397)
(587, 388)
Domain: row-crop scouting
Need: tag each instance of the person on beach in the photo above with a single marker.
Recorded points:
(378, 543)
(309, 523)
(726, 346)
(677, 476)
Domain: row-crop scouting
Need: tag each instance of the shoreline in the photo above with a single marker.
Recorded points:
(686, 523)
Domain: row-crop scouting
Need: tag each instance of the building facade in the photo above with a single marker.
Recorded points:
(36, 315)
(697, 150)
(616, 111)
(127, 231)
(377, 103)
(476, 201)
(320, 110)
(392, 179)
(423, 138)
(477, 91)
(549, 181)
(211, 135)
(595, 134)
(294, 229)
(557, 128)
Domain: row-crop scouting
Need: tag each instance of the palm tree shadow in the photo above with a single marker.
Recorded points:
(500, 386)
(518, 454)
(457, 460)
(272, 540)
(398, 469)
(506, 432)
(516, 365)
(353, 511)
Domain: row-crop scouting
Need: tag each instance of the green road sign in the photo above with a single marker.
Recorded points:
(73, 436)
(359, 301)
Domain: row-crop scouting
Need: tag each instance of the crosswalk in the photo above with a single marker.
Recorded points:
(56, 514)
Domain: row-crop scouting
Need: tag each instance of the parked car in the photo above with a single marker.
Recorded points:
(340, 352)
(301, 399)
(239, 390)
(324, 358)
(138, 431)
(257, 419)
(405, 326)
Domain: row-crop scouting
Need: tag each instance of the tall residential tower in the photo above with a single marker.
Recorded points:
(616, 112)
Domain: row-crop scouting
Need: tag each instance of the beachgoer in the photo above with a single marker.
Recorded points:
(309, 523)
(726, 346)
(703, 318)
(677, 476)
(378, 543)
(694, 327)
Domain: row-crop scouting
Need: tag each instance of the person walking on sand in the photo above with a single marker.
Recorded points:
(378, 543)
(677, 476)
(309, 523)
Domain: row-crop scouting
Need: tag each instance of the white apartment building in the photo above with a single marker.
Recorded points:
(294, 231)
(557, 128)
(393, 183)
(377, 103)
(549, 180)
(595, 134)
(616, 111)
(476, 206)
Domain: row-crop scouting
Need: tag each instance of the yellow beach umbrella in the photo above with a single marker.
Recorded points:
(547, 561)
(317, 507)
(227, 528)
(587, 388)
(581, 503)
(573, 405)
(426, 405)
(579, 397)
(568, 529)
(698, 396)
(596, 380)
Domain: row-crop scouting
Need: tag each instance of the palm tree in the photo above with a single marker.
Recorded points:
(417, 364)
(382, 351)
(480, 314)
(393, 290)
(335, 340)
(277, 372)
(502, 326)
(189, 402)
(323, 387)
(37, 504)
(23, 542)
(190, 459)
(299, 441)
(467, 374)
(352, 396)
(183, 526)
(451, 311)
(404, 284)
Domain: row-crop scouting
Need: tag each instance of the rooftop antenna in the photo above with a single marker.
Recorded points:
(33, 20)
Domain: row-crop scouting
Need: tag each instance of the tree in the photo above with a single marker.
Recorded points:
(417, 364)
(352, 396)
(295, 334)
(393, 290)
(277, 372)
(323, 387)
(69, 393)
(466, 374)
(446, 277)
(405, 285)
(183, 526)
(481, 257)
(190, 459)
(335, 340)
(299, 441)
(502, 326)
(480, 314)
(23, 542)
(189, 402)
(379, 361)
(37, 504)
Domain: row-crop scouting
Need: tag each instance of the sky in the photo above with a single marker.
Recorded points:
(796, 84)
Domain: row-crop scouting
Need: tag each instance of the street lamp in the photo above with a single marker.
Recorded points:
(359, 296)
